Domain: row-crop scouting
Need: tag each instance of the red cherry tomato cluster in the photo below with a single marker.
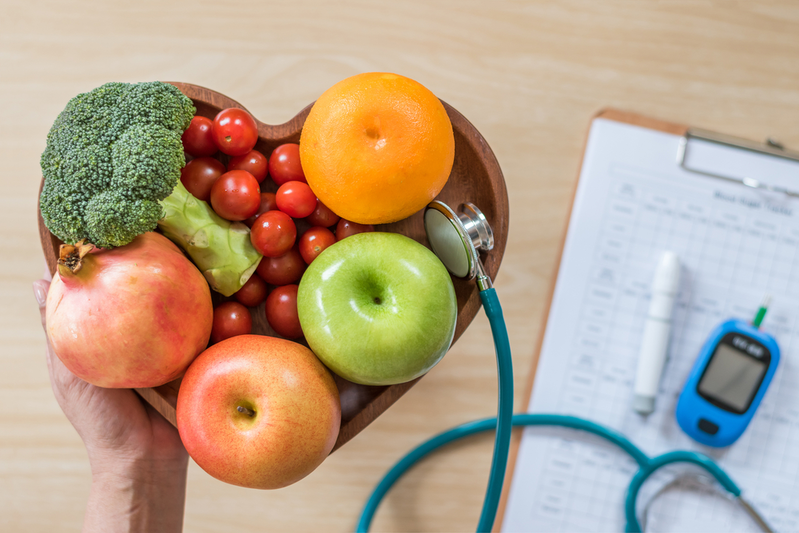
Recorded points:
(290, 227)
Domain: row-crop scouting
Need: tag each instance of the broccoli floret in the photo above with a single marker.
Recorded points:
(111, 156)
(116, 224)
(147, 150)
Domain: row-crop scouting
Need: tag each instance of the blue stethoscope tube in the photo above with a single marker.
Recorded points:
(503, 424)
(504, 410)
(647, 466)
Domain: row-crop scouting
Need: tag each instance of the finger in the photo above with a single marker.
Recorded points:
(46, 274)
(60, 376)
(40, 288)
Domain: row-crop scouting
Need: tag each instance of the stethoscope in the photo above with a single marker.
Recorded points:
(457, 239)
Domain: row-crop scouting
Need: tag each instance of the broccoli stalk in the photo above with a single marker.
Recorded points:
(221, 249)
(112, 171)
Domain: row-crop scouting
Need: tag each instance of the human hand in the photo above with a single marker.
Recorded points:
(137, 459)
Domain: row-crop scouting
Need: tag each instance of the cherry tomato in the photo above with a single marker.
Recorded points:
(198, 139)
(253, 292)
(281, 311)
(296, 199)
(199, 175)
(314, 241)
(253, 162)
(284, 164)
(236, 195)
(345, 228)
(284, 269)
(273, 233)
(267, 204)
(230, 319)
(322, 216)
(235, 131)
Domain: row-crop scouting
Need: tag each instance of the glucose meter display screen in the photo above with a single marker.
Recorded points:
(731, 378)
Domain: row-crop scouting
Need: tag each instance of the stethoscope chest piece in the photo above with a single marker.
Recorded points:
(457, 239)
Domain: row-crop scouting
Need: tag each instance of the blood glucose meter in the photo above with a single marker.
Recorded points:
(727, 382)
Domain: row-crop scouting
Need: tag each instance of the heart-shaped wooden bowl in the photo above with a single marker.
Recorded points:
(476, 177)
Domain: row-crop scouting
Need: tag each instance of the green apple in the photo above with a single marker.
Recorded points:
(378, 308)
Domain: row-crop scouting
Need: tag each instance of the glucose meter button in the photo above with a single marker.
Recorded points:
(708, 427)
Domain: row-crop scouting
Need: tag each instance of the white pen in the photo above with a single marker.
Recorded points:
(657, 330)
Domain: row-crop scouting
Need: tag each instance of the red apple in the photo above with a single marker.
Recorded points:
(258, 412)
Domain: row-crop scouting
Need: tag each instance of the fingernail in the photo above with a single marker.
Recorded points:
(39, 293)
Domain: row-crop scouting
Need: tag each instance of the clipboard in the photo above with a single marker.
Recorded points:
(687, 134)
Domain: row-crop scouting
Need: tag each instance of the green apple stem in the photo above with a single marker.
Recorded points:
(244, 410)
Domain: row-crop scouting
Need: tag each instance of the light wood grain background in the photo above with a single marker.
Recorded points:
(529, 75)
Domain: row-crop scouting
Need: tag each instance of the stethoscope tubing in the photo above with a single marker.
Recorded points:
(647, 466)
(650, 465)
(504, 418)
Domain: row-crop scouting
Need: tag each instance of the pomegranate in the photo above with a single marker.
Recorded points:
(133, 316)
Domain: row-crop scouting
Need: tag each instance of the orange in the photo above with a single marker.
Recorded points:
(377, 147)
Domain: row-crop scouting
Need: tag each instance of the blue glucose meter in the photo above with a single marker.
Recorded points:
(727, 382)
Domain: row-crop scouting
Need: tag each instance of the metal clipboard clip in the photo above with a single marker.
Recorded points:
(771, 147)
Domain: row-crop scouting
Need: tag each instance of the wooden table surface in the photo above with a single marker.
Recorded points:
(528, 75)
